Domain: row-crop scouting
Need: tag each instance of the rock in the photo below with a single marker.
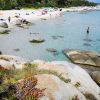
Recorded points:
(18, 22)
(22, 23)
(59, 80)
(11, 62)
(43, 19)
(26, 22)
(4, 31)
(3, 24)
(96, 76)
(17, 49)
(87, 44)
(83, 57)
(69, 72)
(37, 40)
(56, 37)
(27, 14)
(51, 50)
(56, 89)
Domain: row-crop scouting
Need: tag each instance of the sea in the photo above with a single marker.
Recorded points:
(68, 31)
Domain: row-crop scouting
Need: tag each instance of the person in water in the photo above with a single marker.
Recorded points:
(9, 19)
(88, 30)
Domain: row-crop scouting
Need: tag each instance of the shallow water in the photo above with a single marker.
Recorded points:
(67, 31)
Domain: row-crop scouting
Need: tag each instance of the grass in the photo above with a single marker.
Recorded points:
(55, 74)
(12, 76)
(77, 85)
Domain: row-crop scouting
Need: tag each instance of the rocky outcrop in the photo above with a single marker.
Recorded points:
(3, 24)
(60, 80)
(96, 76)
(78, 77)
(83, 57)
(18, 22)
(11, 62)
(22, 22)
(56, 89)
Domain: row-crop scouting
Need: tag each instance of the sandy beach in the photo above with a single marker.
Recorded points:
(29, 15)
(37, 14)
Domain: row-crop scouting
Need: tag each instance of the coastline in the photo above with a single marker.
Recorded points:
(36, 14)
(68, 77)
(56, 77)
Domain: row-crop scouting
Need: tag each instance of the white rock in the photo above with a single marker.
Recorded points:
(9, 62)
(73, 72)
(56, 89)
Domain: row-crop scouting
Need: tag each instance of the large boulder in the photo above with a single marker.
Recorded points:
(96, 76)
(78, 77)
(83, 57)
(3, 24)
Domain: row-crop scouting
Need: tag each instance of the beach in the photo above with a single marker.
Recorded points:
(29, 15)
(36, 14)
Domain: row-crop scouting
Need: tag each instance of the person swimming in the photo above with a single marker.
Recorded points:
(88, 30)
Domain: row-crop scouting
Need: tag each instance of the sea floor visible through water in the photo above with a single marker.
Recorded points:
(64, 32)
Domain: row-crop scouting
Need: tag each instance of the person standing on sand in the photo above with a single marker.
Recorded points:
(50, 16)
(88, 30)
(9, 19)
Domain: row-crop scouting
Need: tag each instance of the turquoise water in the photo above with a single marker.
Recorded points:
(70, 30)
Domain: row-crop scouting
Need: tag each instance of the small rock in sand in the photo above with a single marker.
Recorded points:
(3, 24)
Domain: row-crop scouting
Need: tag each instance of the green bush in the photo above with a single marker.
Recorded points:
(4, 4)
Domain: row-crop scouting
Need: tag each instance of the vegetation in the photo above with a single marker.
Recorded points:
(77, 85)
(20, 84)
(17, 4)
(89, 96)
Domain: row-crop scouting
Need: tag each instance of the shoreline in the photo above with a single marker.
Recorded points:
(62, 74)
(55, 78)
(33, 15)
